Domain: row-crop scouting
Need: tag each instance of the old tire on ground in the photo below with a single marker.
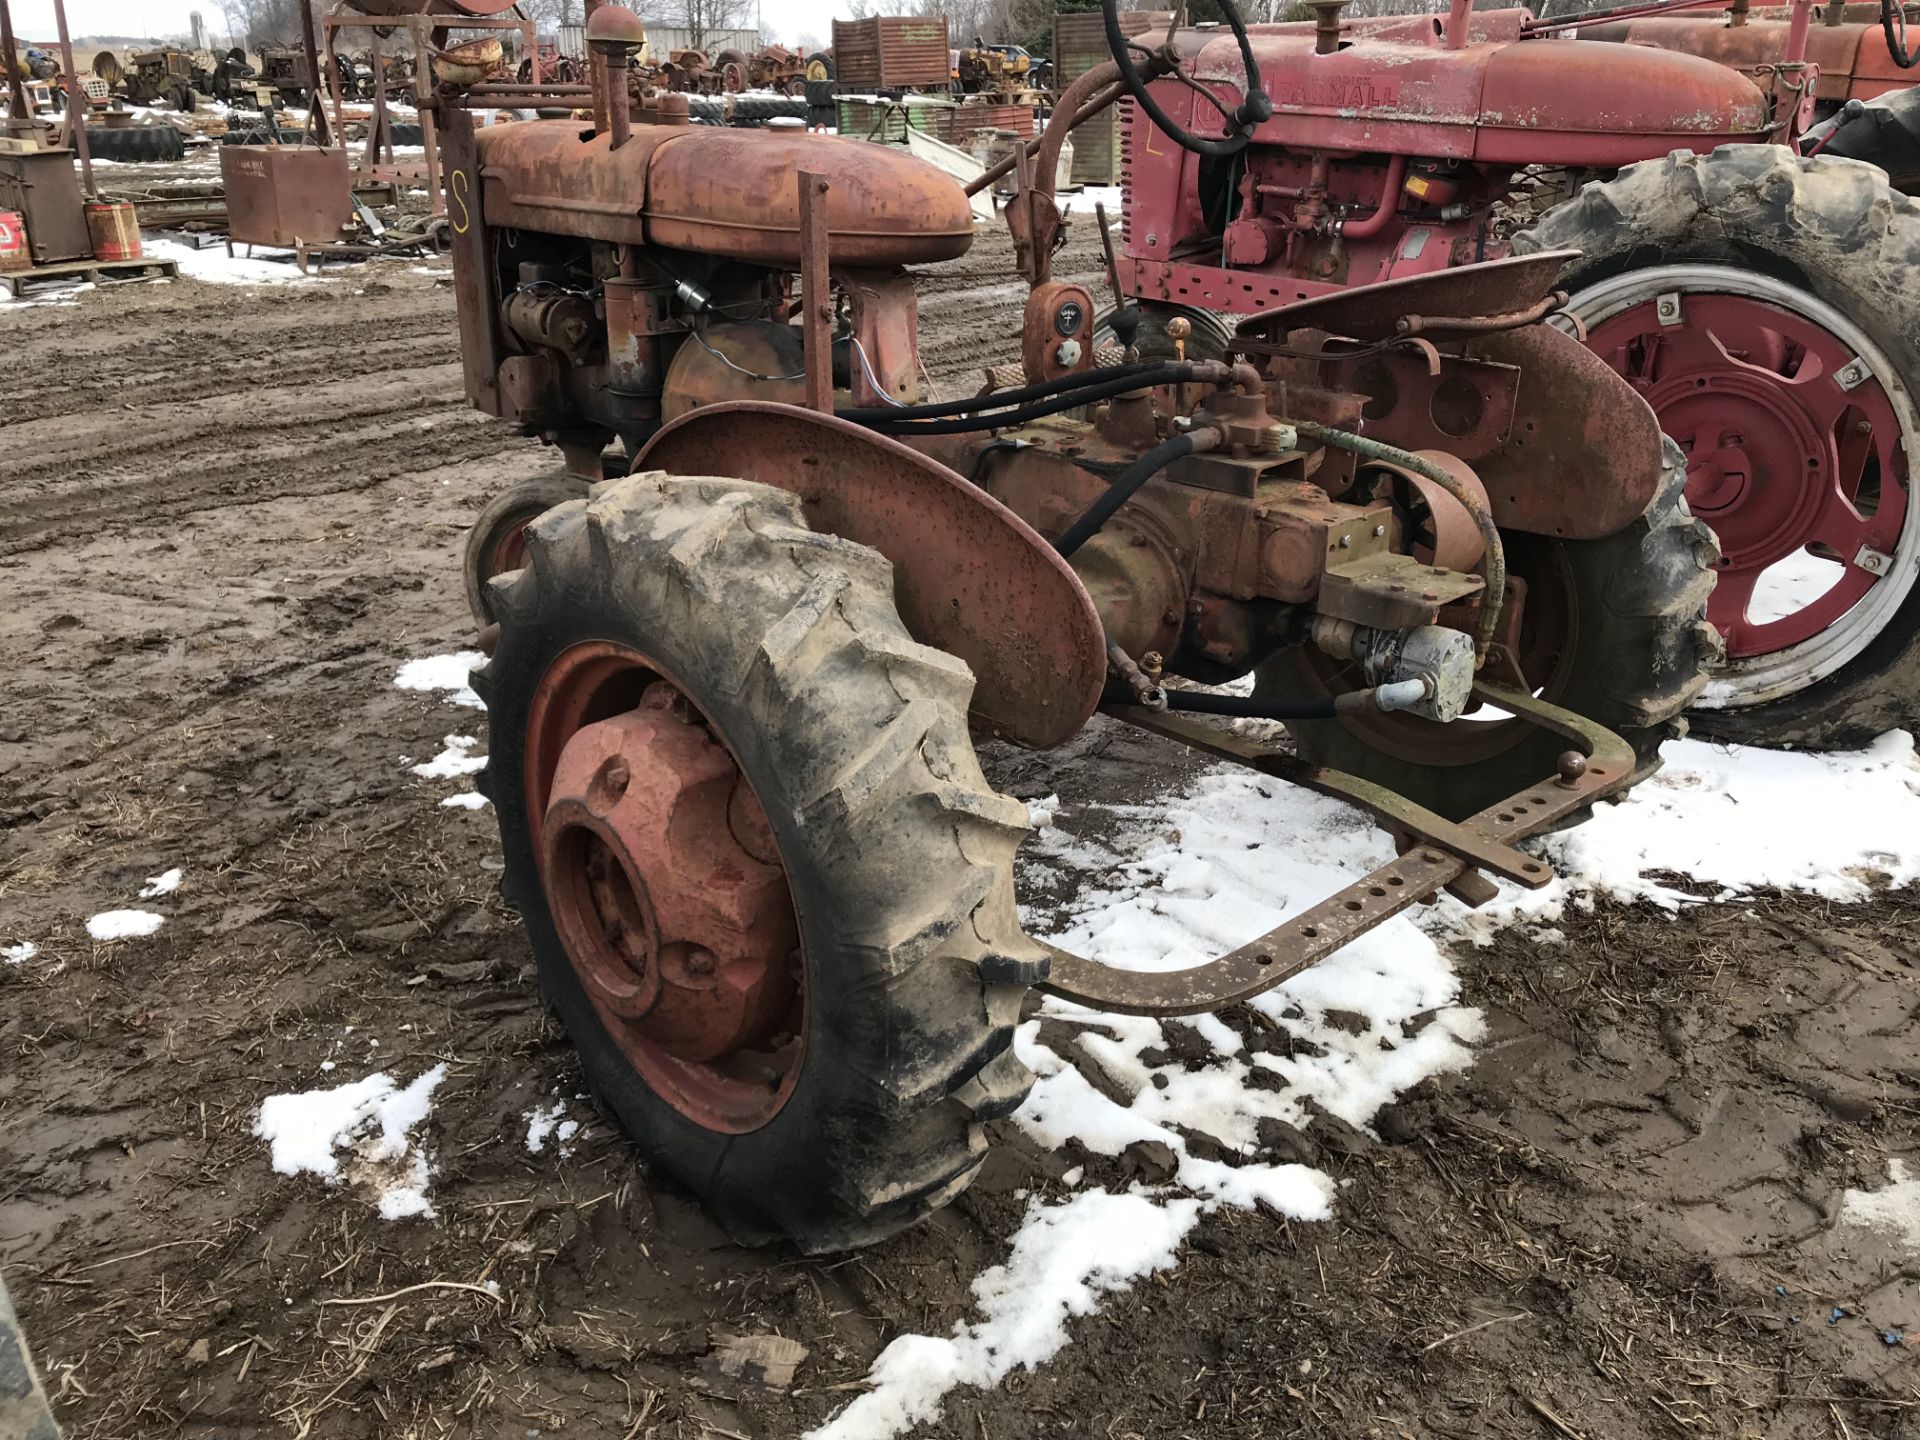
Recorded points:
(154, 144)
(496, 543)
(1763, 303)
(400, 134)
(1619, 629)
(855, 1105)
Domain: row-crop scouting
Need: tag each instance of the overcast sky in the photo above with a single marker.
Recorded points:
(33, 19)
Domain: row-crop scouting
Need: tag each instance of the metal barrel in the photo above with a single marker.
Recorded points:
(114, 228)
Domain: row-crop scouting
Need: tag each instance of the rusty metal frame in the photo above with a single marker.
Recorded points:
(1443, 854)
(419, 30)
(816, 292)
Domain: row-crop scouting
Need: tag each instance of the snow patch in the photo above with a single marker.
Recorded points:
(1065, 1259)
(1737, 819)
(1196, 873)
(446, 673)
(1894, 1211)
(458, 758)
(372, 1121)
(216, 267)
(19, 954)
(1082, 202)
(124, 924)
(544, 1123)
(162, 884)
(466, 800)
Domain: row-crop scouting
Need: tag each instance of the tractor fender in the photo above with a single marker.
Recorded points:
(970, 576)
(1582, 459)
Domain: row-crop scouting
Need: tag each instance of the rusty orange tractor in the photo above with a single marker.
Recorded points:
(739, 649)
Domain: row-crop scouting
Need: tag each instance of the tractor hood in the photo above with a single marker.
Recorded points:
(1501, 99)
(731, 193)
(1853, 58)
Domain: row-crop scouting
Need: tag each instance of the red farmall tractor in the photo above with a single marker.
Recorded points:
(1865, 103)
(740, 649)
(1762, 302)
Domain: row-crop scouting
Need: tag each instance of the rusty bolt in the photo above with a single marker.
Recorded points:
(1152, 661)
(617, 777)
(1571, 765)
(1170, 617)
(699, 961)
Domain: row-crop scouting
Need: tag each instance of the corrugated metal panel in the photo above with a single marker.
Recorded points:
(956, 124)
(1079, 44)
(963, 122)
(572, 41)
(663, 40)
(892, 52)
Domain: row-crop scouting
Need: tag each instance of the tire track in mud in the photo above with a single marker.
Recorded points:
(177, 352)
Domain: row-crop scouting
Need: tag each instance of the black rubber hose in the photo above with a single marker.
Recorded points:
(1239, 707)
(1896, 44)
(1122, 490)
(1037, 411)
(1143, 375)
(1254, 108)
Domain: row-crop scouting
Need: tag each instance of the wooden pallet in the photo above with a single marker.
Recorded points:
(101, 272)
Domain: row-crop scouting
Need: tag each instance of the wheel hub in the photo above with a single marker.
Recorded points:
(665, 885)
(1793, 446)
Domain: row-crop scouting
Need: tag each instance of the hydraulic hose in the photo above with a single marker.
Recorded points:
(1493, 565)
(1398, 695)
(889, 423)
(1143, 374)
(1251, 707)
(1128, 482)
(1254, 108)
(1896, 43)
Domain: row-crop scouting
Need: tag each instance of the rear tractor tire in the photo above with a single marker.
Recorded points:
(1614, 630)
(769, 892)
(1764, 306)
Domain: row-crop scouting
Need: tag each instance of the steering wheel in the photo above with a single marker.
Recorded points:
(1255, 108)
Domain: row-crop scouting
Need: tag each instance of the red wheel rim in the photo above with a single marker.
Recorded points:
(665, 886)
(1792, 446)
(508, 552)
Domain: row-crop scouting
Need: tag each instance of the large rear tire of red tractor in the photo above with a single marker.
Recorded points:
(768, 890)
(1613, 629)
(497, 543)
(1764, 305)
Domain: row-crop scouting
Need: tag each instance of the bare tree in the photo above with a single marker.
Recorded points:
(253, 23)
(699, 18)
(549, 15)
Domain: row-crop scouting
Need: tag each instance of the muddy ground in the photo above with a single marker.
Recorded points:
(230, 515)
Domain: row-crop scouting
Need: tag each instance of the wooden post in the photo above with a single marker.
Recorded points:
(333, 82)
(76, 104)
(19, 113)
(816, 292)
(316, 111)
